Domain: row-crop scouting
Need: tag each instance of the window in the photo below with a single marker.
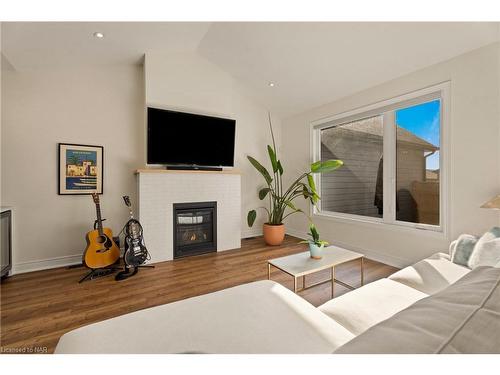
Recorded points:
(417, 163)
(356, 188)
(392, 154)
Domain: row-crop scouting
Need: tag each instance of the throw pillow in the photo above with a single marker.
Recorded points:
(487, 249)
(451, 249)
(462, 249)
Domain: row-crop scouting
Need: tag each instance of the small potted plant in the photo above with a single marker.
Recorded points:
(315, 244)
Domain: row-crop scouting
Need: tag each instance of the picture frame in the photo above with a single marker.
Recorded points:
(80, 169)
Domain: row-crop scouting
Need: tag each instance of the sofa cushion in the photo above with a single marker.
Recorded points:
(430, 275)
(463, 318)
(260, 317)
(486, 252)
(364, 307)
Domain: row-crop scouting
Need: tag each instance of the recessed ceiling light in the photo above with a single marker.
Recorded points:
(271, 84)
(98, 35)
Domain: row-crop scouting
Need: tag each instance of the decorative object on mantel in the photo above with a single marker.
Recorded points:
(493, 203)
(280, 199)
(316, 245)
(80, 169)
(186, 171)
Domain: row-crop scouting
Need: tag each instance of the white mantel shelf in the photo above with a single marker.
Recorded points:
(155, 170)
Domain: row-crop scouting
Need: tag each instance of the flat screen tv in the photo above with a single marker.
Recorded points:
(190, 140)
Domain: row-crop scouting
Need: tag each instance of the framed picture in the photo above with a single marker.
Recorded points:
(80, 169)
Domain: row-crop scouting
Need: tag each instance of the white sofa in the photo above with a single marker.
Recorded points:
(364, 307)
(264, 317)
(259, 317)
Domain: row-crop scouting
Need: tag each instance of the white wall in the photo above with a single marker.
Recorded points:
(188, 82)
(99, 106)
(105, 106)
(474, 164)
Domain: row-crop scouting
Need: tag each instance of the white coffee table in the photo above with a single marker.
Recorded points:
(301, 264)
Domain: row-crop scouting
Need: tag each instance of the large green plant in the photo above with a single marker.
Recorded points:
(280, 199)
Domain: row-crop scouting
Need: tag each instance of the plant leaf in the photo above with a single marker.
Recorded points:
(272, 157)
(291, 205)
(326, 166)
(252, 215)
(312, 185)
(314, 232)
(263, 171)
(305, 192)
(280, 168)
(315, 236)
(313, 196)
(263, 193)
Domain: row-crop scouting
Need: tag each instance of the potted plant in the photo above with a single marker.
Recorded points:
(315, 244)
(281, 199)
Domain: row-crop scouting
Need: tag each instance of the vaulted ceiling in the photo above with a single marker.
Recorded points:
(309, 63)
(31, 45)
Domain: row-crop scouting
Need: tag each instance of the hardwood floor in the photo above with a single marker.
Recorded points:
(38, 307)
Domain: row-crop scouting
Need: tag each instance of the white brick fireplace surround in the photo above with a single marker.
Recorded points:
(160, 189)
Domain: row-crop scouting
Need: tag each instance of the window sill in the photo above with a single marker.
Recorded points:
(377, 223)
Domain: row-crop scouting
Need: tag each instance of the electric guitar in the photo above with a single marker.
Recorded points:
(135, 253)
(101, 250)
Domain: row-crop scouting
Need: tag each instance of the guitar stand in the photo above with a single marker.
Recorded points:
(98, 272)
(125, 274)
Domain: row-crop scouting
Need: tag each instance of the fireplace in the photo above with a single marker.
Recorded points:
(195, 228)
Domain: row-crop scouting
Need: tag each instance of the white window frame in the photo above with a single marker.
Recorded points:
(440, 91)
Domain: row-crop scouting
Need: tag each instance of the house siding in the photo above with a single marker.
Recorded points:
(351, 189)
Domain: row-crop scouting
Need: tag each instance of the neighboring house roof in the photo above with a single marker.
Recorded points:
(374, 127)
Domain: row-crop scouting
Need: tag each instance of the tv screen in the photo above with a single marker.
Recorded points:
(178, 138)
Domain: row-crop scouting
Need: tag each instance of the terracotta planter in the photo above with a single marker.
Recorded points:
(274, 234)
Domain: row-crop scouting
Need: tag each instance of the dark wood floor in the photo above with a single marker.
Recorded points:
(38, 307)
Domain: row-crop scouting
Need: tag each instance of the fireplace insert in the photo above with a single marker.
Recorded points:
(195, 228)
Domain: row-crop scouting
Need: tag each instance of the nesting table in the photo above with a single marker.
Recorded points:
(301, 264)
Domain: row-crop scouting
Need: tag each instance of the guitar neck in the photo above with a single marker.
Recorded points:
(99, 218)
(126, 199)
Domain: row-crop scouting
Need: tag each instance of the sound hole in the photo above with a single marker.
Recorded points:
(101, 239)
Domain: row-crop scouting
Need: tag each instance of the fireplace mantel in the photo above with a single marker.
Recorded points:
(158, 170)
(160, 189)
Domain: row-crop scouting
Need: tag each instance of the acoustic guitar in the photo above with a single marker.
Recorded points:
(101, 250)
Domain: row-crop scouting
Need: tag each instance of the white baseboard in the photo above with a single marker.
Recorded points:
(38, 265)
(371, 254)
(254, 232)
(375, 255)
(68, 260)
(296, 233)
